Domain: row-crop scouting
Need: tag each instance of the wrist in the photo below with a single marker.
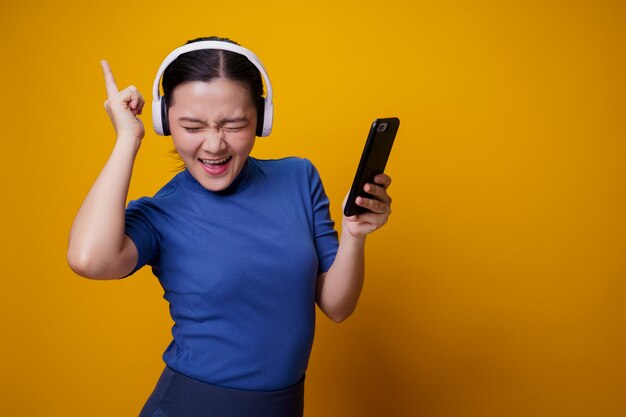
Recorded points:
(354, 241)
(128, 142)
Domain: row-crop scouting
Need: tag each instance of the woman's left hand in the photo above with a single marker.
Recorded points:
(379, 206)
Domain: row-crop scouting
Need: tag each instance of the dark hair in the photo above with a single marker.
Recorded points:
(208, 64)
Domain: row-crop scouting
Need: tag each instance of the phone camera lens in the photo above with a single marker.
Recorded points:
(382, 127)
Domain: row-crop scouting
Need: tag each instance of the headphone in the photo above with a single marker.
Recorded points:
(265, 112)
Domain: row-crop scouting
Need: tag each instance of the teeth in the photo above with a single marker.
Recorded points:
(216, 161)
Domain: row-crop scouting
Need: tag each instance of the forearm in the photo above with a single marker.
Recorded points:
(339, 289)
(97, 234)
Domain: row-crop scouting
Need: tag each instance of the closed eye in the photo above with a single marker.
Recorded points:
(229, 128)
(233, 128)
(234, 125)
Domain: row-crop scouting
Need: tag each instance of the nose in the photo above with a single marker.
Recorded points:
(214, 141)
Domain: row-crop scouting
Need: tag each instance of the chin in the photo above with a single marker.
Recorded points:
(214, 182)
(216, 185)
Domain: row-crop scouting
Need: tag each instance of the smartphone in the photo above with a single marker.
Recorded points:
(373, 161)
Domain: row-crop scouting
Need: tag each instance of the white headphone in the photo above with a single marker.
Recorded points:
(159, 106)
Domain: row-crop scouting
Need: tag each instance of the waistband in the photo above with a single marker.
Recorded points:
(179, 395)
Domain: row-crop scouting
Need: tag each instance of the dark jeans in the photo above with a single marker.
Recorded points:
(177, 395)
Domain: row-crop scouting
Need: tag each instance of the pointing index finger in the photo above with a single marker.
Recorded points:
(108, 79)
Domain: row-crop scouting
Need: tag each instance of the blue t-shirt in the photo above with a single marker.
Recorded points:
(239, 268)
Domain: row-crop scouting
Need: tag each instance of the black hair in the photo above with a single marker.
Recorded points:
(208, 64)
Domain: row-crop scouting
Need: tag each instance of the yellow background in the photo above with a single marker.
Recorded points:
(497, 288)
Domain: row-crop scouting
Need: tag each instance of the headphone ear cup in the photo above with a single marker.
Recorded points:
(260, 116)
(164, 119)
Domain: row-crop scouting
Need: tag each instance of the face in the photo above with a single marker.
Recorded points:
(213, 125)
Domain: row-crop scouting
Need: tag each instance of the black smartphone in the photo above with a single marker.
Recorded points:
(373, 160)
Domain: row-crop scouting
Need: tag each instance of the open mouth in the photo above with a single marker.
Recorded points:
(212, 163)
(215, 166)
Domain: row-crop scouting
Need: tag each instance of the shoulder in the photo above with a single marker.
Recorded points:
(287, 163)
(166, 194)
(289, 166)
(169, 189)
(294, 175)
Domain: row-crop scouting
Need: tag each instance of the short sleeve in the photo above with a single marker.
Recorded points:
(326, 240)
(141, 229)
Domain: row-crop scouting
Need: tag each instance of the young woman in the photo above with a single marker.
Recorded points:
(244, 248)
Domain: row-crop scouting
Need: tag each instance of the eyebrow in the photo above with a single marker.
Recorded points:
(222, 121)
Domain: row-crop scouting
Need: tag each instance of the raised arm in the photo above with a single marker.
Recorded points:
(338, 290)
(98, 247)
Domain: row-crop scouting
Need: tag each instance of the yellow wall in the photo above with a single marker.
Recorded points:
(497, 287)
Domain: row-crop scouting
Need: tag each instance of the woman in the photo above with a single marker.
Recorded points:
(244, 248)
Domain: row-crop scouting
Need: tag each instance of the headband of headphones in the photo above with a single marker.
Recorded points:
(159, 107)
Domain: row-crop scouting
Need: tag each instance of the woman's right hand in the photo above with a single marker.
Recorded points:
(123, 107)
